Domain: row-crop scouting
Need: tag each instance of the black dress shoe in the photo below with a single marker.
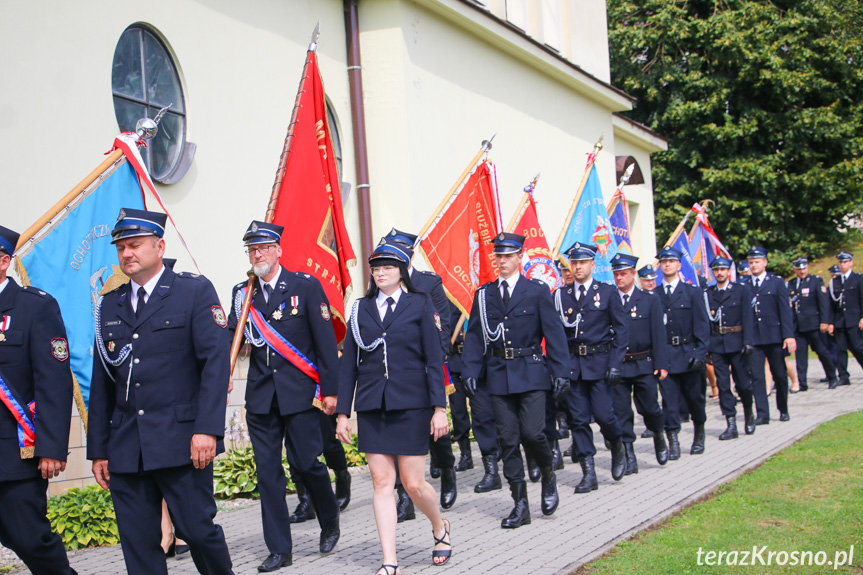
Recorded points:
(844, 381)
(784, 417)
(762, 420)
(448, 489)
(172, 548)
(793, 391)
(182, 548)
(647, 434)
(533, 471)
(275, 562)
(434, 471)
(343, 488)
(330, 535)
(405, 510)
(823, 380)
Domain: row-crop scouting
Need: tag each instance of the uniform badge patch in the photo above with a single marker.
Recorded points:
(325, 312)
(59, 349)
(111, 346)
(219, 316)
(437, 321)
(824, 289)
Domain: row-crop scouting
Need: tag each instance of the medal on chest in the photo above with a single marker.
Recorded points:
(278, 313)
(295, 301)
(633, 312)
(596, 300)
(4, 325)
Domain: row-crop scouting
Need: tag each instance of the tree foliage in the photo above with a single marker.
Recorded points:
(763, 106)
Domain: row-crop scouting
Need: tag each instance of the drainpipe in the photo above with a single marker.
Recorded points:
(355, 82)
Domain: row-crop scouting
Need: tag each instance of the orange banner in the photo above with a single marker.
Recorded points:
(310, 203)
(459, 246)
(536, 261)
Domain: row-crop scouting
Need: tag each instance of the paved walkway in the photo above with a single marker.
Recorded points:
(584, 527)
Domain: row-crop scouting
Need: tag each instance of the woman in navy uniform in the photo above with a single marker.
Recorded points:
(280, 392)
(34, 367)
(731, 340)
(157, 400)
(509, 319)
(644, 365)
(688, 331)
(597, 332)
(392, 374)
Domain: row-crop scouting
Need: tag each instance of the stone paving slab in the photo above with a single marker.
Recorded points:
(584, 527)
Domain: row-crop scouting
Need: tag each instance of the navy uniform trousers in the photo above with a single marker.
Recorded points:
(642, 389)
(774, 323)
(733, 329)
(299, 433)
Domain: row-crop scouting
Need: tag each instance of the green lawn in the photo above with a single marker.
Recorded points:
(808, 497)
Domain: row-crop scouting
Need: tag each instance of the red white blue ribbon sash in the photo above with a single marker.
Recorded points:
(23, 415)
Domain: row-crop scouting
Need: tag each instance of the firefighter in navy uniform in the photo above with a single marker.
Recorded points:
(774, 335)
(442, 459)
(281, 394)
(743, 275)
(647, 278)
(731, 339)
(644, 365)
(509, 319)
(34, 373)
(811, 306)
(597, 332)
(161, 370)
(688, 331)
(846, 292)
(829, 339)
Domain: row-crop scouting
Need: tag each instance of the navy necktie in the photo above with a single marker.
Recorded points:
(142, 293)
(391, 303)
(505, 287)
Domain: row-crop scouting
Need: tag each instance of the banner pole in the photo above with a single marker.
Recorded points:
(591, 161)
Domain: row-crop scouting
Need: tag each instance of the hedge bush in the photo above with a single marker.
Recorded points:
(84, 517)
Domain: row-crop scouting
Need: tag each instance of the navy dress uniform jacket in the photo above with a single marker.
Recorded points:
(413, 378)
(430, 283)
(35, 370)
(848, 311)
(180, 365)
(603, 322)
(810, 302)
(310, 330)
(646, 333)
(686, 321)
(529, 318)
(735, 304)
(774, 320)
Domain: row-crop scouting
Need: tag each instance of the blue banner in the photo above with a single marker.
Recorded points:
(590, 225)
(687, 266)
(620, 227)
(76, 260)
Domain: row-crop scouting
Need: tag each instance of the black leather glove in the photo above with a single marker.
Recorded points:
(612, 377)
(747, 350)
(469, 384)
(695, 364)
(561, 389)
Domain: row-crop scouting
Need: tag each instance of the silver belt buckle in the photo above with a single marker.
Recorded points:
(508, 353)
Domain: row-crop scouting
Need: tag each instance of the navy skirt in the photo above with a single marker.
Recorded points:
(394, 432)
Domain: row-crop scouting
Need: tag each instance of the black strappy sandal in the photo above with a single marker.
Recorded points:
(447, 553)
(386, 568)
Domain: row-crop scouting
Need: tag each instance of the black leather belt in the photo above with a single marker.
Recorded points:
(514, 352)
(727, 329)
(646, 354)
(581, 349)
(677, 340)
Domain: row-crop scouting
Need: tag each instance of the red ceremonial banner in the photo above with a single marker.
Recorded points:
(536, 261)
(309, 204)
(459, 245)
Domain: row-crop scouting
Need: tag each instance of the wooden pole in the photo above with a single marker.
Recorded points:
(484, 148)
(67, 199)
(522, 207)
(457, 329)
(596, 148)
(274, 198)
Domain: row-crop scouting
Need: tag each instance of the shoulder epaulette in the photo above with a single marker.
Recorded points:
(35, 291)
(303, 275)
(190, 275)
(537, 281)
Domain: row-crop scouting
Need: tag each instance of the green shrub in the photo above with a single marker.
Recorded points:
(84, 517)
(355, 458)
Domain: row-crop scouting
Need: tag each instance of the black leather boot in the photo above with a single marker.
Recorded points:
(520, 514)
(618, 460)
(343, 488)
(556, 455)
(404, 506)
(304, 510)
(698, 439)
(631, 461)
(465, 458)
(550, 498)
(588, 481)
(673, 445)
(730, 429)
(748, 419)
(562, 425)
(647, 434)
(448, 490)
(661, 448)
(491, 480)
(532, 468)
(570, 451)
(434, 470)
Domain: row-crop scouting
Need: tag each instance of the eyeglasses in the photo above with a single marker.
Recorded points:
(260, 250)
